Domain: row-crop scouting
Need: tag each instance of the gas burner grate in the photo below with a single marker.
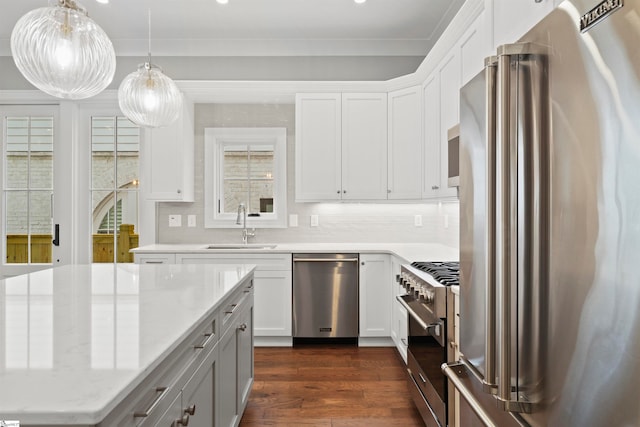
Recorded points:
(444, 272)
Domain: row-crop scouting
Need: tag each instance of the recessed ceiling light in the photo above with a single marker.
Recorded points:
(223, 1)
(359, 1)
(103, 1)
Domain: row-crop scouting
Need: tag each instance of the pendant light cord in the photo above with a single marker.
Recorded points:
(149, 22)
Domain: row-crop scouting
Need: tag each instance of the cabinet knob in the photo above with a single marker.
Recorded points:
(344, 191)
(388, 191)
(179, 191)
(243, 327)
(184, 421)
(338, 191)
(190, 410)
(434, 187)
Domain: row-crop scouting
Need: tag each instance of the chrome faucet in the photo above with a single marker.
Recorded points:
(242, 210)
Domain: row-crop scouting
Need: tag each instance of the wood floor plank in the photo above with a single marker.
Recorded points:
(330, 386)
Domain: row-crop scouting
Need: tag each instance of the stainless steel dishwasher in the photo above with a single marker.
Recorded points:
(325, 295)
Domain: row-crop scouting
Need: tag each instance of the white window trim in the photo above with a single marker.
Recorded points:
(214, 139)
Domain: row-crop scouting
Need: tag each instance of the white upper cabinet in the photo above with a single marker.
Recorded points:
(364, 146)
(405, 144)
(513, 18)
(341, 143)
(318, 146)
(169, 162)
(449, 75)
(474, 47)
(431, 133)
(441, 104)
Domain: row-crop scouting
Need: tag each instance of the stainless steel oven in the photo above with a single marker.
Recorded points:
(429, 304)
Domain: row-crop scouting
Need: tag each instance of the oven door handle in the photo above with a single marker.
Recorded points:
(422, 323)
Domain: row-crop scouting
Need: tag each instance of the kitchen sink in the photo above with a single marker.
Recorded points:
(240, 246)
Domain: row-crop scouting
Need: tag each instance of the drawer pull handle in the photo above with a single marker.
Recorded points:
(233, 308)
(207, 338)
(422, 378)
(161, 391)
(191, 410)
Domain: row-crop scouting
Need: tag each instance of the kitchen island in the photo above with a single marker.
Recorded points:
(126, 344)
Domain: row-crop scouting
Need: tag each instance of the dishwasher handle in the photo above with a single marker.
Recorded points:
(325, 260)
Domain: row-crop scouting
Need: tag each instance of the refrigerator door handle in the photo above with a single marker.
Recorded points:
(450, 370)
(489, 381)
(504, 223)
(514, 240)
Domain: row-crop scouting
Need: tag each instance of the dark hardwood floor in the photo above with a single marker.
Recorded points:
(330, 386)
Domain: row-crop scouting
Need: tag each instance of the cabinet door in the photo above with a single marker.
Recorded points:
(318, 142)
(474, 47)
(513, 18)
(245, 357)
(272, 303)
(405, 144)
(227, 409)
(364, 146)
(449, 76)
(431, 102)
(168, 159)
(170, 418)
(375, 296)
(198, 395)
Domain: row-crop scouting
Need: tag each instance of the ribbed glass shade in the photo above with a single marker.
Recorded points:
(149, 98)
(63, 52)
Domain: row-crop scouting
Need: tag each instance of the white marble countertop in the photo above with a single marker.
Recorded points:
(75, 340)
(409, 252)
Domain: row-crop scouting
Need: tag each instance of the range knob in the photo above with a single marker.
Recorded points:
(428, 296)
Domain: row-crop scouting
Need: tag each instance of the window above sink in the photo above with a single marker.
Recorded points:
(245, 166)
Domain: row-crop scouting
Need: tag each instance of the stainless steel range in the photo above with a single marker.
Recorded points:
(429, 302)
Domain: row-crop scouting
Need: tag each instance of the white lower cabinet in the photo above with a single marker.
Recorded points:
(399, 331)
(272, 280)
(375, 296)
(159, 258)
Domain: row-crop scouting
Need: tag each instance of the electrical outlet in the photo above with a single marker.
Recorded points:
(417, 220)
(175, 220)
(293, 220)
(314, 220)
(191, 220)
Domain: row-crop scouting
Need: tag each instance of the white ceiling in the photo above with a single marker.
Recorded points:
(261, 27)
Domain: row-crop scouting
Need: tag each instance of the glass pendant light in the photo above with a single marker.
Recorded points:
(63, 52)
(148, 97)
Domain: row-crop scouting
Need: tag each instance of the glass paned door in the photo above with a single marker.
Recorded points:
(28, 141)
(115, 145)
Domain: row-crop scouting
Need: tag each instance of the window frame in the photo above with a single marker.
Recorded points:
(215, 139)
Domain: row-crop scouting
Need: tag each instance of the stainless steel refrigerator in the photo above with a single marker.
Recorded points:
(550, 225)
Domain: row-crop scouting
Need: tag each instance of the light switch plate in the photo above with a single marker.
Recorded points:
(293, 220)
(417, 220)
(191, 220)
(446, 221)
(314, 220)
(175, 220)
